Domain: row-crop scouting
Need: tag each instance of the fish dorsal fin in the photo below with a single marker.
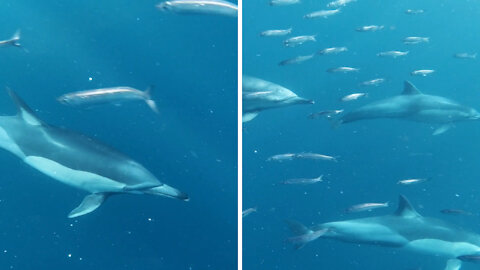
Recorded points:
(23, 110)
(410, 89)
(405, 209)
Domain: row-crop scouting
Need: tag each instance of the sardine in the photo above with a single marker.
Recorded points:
(322, 14)
(303, 181)
(296, 60)
(299, 40)
(113, 95)
(276, 33)
(214, 7)
(365, 207)
(332, 50)
(354, 96)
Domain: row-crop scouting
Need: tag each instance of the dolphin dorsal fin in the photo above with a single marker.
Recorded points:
(23, 110)
(405, 209)
(410, 89)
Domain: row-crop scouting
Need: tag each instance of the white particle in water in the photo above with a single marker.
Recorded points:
(90, 78)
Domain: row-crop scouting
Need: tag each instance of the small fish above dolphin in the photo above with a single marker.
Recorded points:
(259, 95)
(77, 160)
(413, 105)
(405, 229)
(210, 7)
(13, 41)
(112, 95)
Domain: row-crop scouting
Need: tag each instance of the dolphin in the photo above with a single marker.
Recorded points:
(405, 229)
(76, 160)
(412, 105)
(259, 95)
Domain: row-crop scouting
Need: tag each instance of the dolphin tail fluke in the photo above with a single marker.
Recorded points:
(453, 264)
(89, 204)
(148, 99)
(167, 191)
(296, 227)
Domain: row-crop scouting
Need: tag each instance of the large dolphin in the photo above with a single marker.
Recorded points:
(412, 105)
(76, 160)
(259, 95)
(405, 229)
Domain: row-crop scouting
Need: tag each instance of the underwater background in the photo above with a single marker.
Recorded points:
(191, 145)
(372, 155)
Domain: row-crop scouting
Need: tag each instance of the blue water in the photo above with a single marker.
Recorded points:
(373, 155)
(191, 145)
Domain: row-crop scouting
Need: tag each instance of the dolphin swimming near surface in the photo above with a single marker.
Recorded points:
(412, 105)
(405, 229)
(259, 95)
(76, 160)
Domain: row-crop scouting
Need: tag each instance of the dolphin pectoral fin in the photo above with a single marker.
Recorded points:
(141, 186)
(249, 116)
(167, 191)
(89, 204)
(442, 129)
(453, 264)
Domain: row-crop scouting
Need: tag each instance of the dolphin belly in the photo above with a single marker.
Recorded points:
(443, 248)
(440, 116)
(88, 181)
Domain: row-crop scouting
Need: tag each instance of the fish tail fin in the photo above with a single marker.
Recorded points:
(167, 191)
(148, 99)
(16, 38)
(474, 55)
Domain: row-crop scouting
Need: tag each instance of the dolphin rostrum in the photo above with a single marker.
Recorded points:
(76, 160)
(405, 229)
(259, 95)
(412, 105)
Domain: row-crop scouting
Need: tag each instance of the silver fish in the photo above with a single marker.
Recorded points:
(283, 2)
(412, 181)
(303, 181)
(296, 60)
(333, 50)
(315, 156)
(248, 211)
(414, 11)
(369, 28)
(113, 95)
(422, 72)
(339, 3)
(455, 212)
(374, 82)
(465, 55)
(281, 157)
(342, 70)
(214, 7)
(298, 40)
(322, 14)
(276, 33)
(365, 207)
(327, 114)
(354, 96)
(415, 40)
(13, 41)
(393, 54)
